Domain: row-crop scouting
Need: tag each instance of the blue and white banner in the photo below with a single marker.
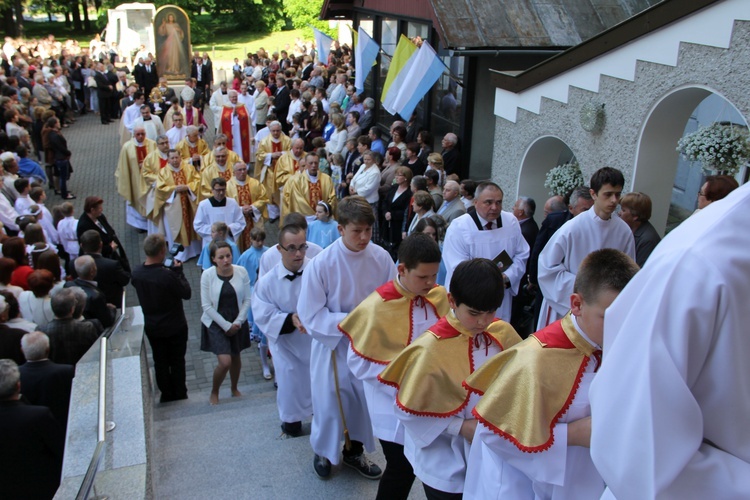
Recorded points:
(365, 54)
(323, 43)
(415, 79)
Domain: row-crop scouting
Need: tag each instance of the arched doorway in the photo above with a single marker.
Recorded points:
(656, 170)
(542, 155)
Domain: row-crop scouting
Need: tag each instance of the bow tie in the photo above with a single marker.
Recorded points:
(293, 276)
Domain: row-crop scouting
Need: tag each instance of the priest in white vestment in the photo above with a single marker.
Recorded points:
(597, 228)
(670, 404)
(129, 116)
(487, 233)
(217, 102)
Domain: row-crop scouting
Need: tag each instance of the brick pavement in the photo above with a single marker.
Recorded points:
(95, 150)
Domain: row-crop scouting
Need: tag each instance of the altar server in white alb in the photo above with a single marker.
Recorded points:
(273, 255)
(670, 405)
(218, 208)
(597, 228)
(387, 321)
(486, 233)
(334, 283)
(275, 312)
(534, 418)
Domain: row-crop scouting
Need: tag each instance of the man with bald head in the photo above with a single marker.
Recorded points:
(192, 147)
(252, 198)
(289, 163)
(452, 206)
(153, 163)
(270, 149)
(219, 167)
(96, 302)
(303, 191)
(220, 140)
(131, 185)
(451, 154)
(236, 124)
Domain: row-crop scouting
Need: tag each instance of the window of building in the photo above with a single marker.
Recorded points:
(447, 99)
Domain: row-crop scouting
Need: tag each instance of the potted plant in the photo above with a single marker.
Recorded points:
(564, 178)
(720, 147)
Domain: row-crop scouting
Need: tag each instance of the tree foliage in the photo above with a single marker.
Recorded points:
(305, 13)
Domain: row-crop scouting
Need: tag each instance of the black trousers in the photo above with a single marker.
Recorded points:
(105, 108)
(169, 364)
(398, 476)
(433, 494)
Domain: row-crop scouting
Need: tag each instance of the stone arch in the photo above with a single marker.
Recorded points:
(543, 154)
(656, 154)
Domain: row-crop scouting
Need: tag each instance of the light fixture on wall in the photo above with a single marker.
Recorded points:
(592, 117)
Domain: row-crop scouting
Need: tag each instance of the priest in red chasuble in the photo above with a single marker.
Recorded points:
(236, 125)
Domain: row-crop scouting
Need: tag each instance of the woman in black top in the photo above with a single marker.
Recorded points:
(93, 218)
(395, 204)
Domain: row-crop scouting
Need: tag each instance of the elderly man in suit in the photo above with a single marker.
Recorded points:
(96, 303)
(452, 206)
(44, 382)
(110, 277)
(521, 315)
(69, 337)
(32, 442)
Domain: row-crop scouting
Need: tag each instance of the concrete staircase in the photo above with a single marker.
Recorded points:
(236, 450)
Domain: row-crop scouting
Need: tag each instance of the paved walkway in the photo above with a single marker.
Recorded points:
(235, 449)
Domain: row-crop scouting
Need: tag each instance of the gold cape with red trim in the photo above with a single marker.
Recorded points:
(528, 388)
(428, 374)
(380, 327)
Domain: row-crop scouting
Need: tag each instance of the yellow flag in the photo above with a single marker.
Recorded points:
(355, 35)
(404, 50)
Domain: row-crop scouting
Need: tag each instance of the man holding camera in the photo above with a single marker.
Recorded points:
(161, 291)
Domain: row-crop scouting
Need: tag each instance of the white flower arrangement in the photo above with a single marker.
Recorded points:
(564, 178)
(720, 148)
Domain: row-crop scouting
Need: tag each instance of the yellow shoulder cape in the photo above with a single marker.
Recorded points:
(528, 388)
(380, 327)
(429, 373)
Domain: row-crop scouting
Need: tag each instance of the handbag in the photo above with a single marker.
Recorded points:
(90, 82)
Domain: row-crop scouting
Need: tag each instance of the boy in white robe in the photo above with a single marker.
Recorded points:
(431, 401)
(275, 309)
(597, 228)
(379, 328)
(534, 418)
(334, 283)
(670, 406)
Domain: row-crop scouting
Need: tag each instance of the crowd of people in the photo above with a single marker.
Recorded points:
(463, 337)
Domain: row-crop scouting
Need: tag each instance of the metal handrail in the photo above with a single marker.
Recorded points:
(101, 428)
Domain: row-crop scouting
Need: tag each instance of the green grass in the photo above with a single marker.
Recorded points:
(224, 47)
